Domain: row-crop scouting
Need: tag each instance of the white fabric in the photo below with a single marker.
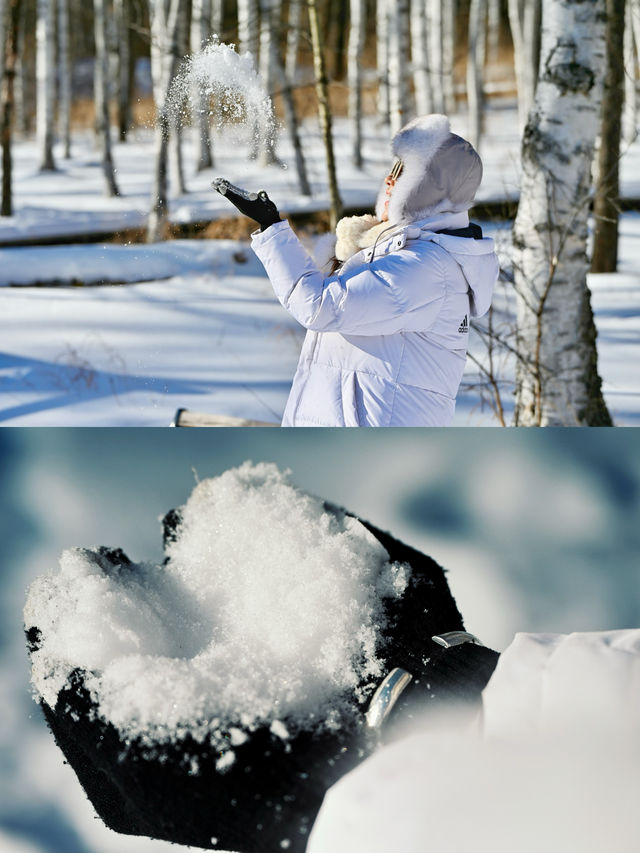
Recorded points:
(388, 332)
(566, 684)
(554, 767)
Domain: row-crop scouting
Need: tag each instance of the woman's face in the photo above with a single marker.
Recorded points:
(390, 182)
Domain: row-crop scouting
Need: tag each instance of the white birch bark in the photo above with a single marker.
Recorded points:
(248, 28)
(45, 82)
(630, 113)
(420, 57)
(634, 6)
(493, 29)
(382, 59)
(269, 61)
(101, 98)
(293, 39)
(21, 111)
(176, 135)
(525, 21)
(556, 380)
(200, 34)
(475, 69)
(448, 51)
(434, 25)
(122, 14)
(217, 12)
(2, 32)
(64, 77)
(324, 109)
(398, 65)
(354, 78)
(248, 41)
(283, 84)
(164, 20)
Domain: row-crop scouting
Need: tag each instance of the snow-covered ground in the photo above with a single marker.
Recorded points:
(204, 331)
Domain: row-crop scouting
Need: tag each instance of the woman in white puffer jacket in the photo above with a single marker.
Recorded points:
(388, 330)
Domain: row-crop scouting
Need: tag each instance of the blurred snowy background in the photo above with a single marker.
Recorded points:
(538, 530)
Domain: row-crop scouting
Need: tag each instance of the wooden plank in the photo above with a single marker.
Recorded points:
(185, 418)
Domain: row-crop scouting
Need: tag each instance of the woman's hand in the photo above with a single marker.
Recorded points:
(257, 206)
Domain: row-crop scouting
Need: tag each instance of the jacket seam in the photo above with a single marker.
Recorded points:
(395, 380)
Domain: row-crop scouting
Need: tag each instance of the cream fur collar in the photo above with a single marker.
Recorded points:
(358, 232)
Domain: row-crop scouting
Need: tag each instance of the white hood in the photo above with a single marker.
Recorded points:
(479, 264)
(441, 171)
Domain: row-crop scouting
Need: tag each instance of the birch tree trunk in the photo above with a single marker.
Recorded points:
(475, 69)
(200, 34)
(10, 16)
(285, 84)
(217, 16)
(21, 121)
(493, 28)
(45, 82)
(630, 110)
(606, 205)
(322, 92)
(164, 20)
(64, 77)
(525, 21)
(633, 7)
(293, 40)
(557, 380)
(382, 59)
(101, 97)
(3, 33)
(248, 28)
(122, 11)
(176, 135)
(448, 12)
(398, 64)
(434, 24)
(420, 57)
(269, 61)
(354, 78)
(248, 40)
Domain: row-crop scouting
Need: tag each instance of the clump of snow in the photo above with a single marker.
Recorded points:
(226, 85)
(269, 611)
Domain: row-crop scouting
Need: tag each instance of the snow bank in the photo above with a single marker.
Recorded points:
(268, 611)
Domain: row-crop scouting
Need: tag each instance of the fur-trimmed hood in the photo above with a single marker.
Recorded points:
(441, 171)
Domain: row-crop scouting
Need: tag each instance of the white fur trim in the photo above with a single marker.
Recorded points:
(355, 233)
(421, 138)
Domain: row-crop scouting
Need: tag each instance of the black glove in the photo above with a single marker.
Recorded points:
(257, 206)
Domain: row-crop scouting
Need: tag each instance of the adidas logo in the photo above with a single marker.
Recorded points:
(464, 326)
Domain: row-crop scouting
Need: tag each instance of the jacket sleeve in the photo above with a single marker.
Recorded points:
(400, 291)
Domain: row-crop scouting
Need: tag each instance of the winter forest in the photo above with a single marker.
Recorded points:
(129, 290)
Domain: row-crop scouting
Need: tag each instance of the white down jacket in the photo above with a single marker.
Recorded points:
(388, 331)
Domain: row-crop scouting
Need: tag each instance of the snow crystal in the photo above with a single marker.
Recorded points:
(225, 761)
(229, 86)
(279, 730)
(269, 611)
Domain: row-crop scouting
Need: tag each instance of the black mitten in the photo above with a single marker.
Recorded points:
(257, 206)
(268, 797)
